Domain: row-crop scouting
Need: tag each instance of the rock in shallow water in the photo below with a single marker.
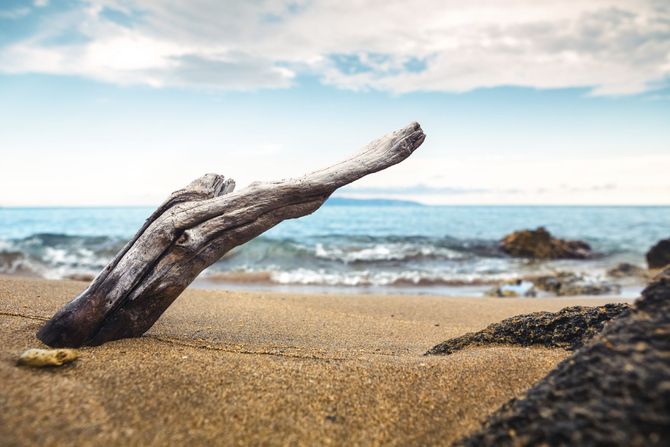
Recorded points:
(559, 284)
(658, 256)
(540, 244)
(513, 289)
(39, 358)
(572, 284)
(626, 270)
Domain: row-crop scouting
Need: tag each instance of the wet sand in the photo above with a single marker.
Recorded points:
(224, 368)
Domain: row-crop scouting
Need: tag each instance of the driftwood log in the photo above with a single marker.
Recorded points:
(192, 230)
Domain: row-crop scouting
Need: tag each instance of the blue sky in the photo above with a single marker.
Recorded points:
(121, 102)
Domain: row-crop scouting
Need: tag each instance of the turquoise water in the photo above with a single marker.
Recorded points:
(370, 246)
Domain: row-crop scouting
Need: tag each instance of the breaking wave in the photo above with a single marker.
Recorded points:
(332, 260)
(57, 256)
(370, 246)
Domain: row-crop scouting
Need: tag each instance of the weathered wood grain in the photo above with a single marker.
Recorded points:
(191, 230)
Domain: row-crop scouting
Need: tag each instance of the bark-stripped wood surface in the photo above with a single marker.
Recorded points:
(192, 230)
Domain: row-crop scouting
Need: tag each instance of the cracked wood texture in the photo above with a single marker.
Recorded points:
(191, 230)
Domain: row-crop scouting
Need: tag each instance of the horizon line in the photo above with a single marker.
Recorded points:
(407, 203)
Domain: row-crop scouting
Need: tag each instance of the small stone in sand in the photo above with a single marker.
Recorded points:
(39, 358)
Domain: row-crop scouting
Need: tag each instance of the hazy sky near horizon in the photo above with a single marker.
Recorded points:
(120, 102)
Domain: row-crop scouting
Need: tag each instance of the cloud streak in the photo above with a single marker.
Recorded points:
(428, 190)
(613, 47)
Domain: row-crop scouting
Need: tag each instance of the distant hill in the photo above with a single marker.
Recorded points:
(345, 201)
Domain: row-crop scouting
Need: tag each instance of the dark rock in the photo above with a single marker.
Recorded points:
(571, 284)
(658, 256)
(626, 270)
(553, 283)
(568, 328)
(539, 244)
(614, 391)
(589, 288)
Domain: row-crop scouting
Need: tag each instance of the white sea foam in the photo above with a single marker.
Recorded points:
(384, 252)
(341, 247)
(379, 278)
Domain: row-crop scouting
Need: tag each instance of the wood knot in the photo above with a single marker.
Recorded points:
(183, 239)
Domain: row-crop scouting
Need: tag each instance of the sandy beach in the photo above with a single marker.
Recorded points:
(263, 368)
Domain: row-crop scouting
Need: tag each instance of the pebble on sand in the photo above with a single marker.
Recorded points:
(39, 358)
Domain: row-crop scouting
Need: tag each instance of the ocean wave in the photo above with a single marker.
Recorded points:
(338, 260)
(57, 256)
(357, 278)
(381, 278)
(16, 263)
(381, 252)
(342, 249)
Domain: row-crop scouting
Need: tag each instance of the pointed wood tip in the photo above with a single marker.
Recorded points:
(410, 137)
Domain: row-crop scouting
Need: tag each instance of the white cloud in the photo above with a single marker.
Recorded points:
(611, 46)
(13, 14)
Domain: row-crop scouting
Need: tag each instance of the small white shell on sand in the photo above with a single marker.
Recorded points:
(39, 358)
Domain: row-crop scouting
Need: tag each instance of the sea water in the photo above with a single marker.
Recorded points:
(424, 249)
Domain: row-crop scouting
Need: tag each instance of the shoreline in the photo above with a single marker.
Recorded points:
(261, 282)
(248, 367)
